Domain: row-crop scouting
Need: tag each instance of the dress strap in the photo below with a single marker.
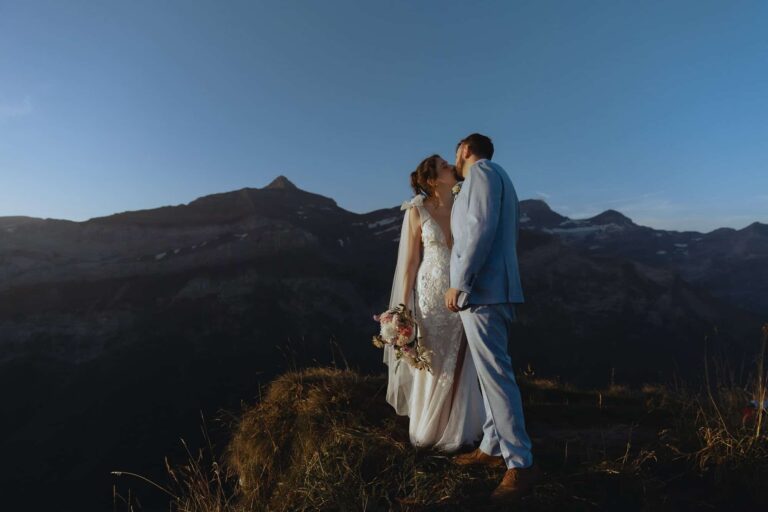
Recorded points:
(423, 213)
(418, 203)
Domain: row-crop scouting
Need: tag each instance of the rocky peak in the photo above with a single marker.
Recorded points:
(611, 217)
(281, 183)
(756, 228)
(536, 213)
(534, 205)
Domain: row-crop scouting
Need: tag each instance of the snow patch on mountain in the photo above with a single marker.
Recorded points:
(383, 222)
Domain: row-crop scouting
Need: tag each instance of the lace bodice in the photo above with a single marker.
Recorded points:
(433, 276)
(431, 233)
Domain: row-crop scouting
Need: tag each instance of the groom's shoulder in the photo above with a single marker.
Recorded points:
(490, 171)
(493, 165)
(500, 172)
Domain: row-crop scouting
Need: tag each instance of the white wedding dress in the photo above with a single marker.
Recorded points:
(446, 406)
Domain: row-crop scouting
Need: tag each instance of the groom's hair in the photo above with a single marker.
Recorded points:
(479, 145)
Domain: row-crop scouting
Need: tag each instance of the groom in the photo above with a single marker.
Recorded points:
(485, 285)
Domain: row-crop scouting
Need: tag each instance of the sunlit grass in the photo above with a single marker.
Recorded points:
(325, 439)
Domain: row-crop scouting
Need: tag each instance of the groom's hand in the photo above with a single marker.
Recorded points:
(452, 299)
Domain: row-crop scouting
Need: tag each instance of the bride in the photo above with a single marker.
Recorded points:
(445, 407)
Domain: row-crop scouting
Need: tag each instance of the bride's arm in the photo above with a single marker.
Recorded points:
(414, 254)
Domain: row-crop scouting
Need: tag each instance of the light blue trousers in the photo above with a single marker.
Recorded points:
(487, 328)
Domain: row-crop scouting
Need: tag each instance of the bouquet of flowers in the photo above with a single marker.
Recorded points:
(399, 329)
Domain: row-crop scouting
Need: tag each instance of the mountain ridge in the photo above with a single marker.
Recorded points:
(282, 184)
(237, 228)
(281, 216)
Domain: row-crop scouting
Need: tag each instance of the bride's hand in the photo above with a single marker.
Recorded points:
(452, 299)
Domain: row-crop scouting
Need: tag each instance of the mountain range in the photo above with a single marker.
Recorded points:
(116, 331)
(73, 290)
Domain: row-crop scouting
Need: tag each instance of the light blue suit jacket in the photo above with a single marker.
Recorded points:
(485, 225)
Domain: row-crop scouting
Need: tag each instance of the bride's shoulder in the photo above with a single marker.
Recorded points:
(411, 208)
(415, 201)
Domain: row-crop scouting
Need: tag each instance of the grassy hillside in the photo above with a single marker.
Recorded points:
(325, 439)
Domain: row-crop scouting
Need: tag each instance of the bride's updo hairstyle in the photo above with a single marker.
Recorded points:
(427, 170)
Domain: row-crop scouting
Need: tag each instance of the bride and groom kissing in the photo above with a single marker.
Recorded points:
(457, 272)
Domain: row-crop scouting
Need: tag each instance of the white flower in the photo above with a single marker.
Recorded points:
(389, 331)
(456, 189)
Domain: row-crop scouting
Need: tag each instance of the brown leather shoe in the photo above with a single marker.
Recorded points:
(517, 482)
(479, 458)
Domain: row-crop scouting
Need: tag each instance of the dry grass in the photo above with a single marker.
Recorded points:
(200, 484)
(325, 439)
(720, 433)
(308, 443)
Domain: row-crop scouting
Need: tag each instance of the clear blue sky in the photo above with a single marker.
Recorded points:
(658, 109)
